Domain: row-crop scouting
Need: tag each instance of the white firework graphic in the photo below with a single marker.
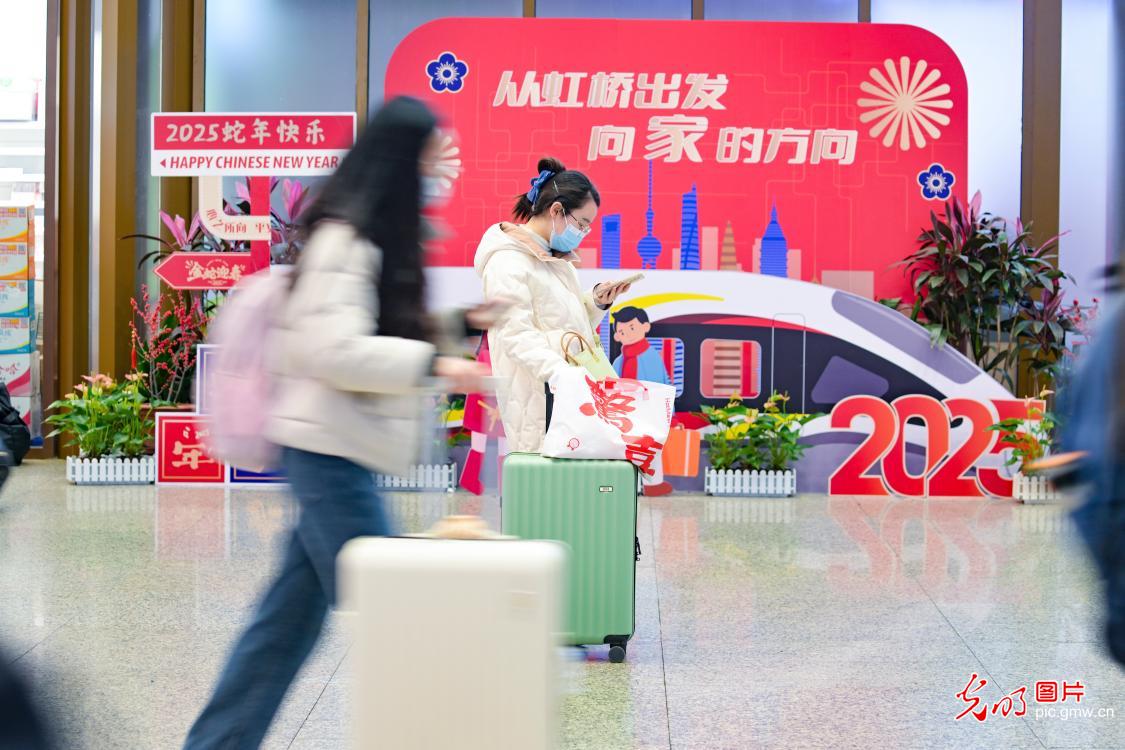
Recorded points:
(906, 103)
(448, 163)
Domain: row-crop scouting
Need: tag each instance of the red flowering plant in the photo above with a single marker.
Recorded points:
(165, 332)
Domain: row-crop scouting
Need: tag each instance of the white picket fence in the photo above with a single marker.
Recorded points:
(1033, 489)
(752, 511)
(750, 483)
(111, 470)
(421, 477)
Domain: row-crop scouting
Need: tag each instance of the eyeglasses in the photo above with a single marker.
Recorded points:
(583, 226)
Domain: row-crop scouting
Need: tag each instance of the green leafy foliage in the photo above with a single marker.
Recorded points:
(748, 438)
(987, 289)
(1028, 439)
(104, 417)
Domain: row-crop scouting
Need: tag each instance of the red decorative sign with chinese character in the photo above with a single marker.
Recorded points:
(204, 270)
(249, 144)
(181, 457)
(810, 151)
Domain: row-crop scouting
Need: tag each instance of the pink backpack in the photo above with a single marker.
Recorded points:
(240, 387)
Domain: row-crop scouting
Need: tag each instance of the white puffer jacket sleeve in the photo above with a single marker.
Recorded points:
(331, 318)
(596, 313)
(508, 275)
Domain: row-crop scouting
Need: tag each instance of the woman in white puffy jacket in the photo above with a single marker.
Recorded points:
(532, 265)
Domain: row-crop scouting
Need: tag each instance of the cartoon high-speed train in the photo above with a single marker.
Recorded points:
(728, 332)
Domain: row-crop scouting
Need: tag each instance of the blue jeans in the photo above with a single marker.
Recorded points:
(338, 502)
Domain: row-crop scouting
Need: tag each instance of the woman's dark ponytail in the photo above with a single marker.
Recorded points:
(554, 183)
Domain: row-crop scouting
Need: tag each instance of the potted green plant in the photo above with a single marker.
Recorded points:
(110, 425)
(985, 288)
(752, 451)
(1027, 441)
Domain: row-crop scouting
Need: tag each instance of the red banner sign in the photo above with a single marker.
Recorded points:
(249, 144)
(204, 270)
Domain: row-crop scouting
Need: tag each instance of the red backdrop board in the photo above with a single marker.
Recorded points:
(812, 151)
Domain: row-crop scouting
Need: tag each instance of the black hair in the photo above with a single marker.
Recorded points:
(566, 186)
(376, 191)
(625, 314)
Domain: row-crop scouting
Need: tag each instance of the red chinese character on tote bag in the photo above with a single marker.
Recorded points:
(611, 408)
(642, 451)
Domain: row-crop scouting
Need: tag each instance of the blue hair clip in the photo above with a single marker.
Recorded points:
(537, 185)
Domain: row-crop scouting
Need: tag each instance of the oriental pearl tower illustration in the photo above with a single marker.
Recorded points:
(649, 247)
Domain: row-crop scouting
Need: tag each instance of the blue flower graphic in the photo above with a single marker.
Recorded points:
(446, 73)
(936, 182)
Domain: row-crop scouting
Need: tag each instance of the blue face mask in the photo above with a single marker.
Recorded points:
(568, 240)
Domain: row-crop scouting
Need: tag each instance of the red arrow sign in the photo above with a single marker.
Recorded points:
(204, 270)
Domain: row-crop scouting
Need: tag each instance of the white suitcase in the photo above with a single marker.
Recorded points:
(456, 642)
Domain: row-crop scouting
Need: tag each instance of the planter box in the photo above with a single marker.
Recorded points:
(421, 477)
(750, 483)
(111, 470)
(1033, 490)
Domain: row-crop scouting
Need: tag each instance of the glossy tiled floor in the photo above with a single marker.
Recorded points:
(812, 622)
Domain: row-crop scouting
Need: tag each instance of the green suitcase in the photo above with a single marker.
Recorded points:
(592, 507)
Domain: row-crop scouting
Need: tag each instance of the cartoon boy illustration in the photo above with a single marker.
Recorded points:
(639, 362)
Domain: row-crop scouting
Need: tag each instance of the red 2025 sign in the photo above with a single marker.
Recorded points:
(945, 470)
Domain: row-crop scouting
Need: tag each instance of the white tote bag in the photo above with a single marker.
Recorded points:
(620, 419)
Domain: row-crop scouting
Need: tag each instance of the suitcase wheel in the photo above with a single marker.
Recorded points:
(617, 654)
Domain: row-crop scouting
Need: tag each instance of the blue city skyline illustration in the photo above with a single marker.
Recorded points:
(774, 251)
(689, 231)
(649, 246)
(611, 241)
(610, 258)
(775, 248)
